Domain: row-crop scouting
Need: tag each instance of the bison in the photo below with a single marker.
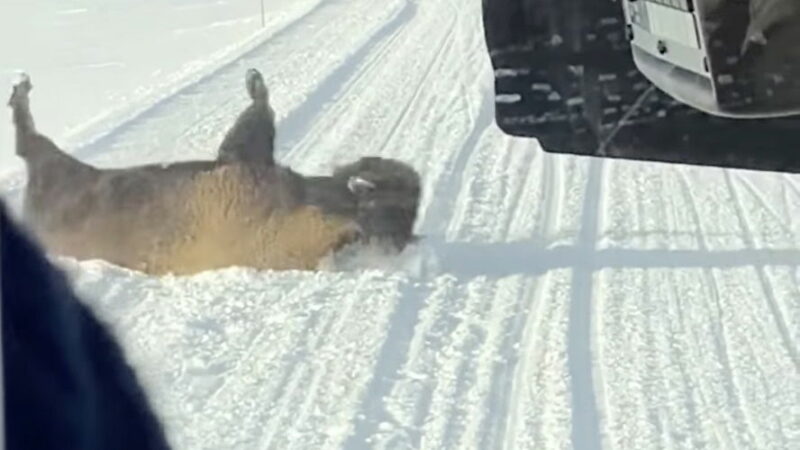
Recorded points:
(240, 209)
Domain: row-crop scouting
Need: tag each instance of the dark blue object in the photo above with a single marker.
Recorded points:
(67, 384)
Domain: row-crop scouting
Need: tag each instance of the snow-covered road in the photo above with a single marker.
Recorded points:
(556, 302)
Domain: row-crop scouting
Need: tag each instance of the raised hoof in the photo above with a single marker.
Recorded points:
(21, 88)
(255, 84)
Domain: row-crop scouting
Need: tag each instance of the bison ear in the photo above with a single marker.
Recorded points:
(359, 186)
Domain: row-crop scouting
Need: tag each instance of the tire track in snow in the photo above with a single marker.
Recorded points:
(411, 396)
(501, 391)
(438, 210)
(515, 412)
(720, 339)
(639, 329)
(302, 343)
(659, 421)
(502, 424)
(539, 414)
(772, 303)
(364, 81)
(546, 223)
(459, 336)
(301, 120)
(722, 347)
(620, 325)
(301, 385)
(469, 335)
(455, 380)
(551, 182)
(544, 227)
(787, 206)
(410, 407)
(292, 390)
(531, 198)
(397, 343)
(456, 402)
(482, 199)
(478, 421)
(445, 66)
(433, 216)
(708, 275)
(777, 220)
(437, 60)
(316, 340)
(520, 171)
(457, 368)
(790, 181)
(322, 379)
(672, 351)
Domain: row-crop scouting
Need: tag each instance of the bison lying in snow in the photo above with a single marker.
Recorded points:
(238, 210)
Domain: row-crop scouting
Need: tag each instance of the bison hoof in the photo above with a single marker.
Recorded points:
(255, 84)
(21, 87)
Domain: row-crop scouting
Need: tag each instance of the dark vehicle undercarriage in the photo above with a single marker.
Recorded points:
(566, 73)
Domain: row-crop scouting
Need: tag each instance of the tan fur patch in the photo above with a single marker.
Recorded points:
(221, 218)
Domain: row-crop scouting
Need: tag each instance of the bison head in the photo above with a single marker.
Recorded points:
(385, 195)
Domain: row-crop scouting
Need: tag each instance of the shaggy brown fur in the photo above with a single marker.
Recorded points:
(183, 218)
(218, 218)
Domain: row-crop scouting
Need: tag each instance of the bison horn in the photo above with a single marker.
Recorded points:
(358, 185)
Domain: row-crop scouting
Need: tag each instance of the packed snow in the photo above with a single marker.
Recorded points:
(555, 302)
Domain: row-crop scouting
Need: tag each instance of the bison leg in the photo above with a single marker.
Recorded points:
(55, 179)
(36, 149)
(251, 139)
(20, 105)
